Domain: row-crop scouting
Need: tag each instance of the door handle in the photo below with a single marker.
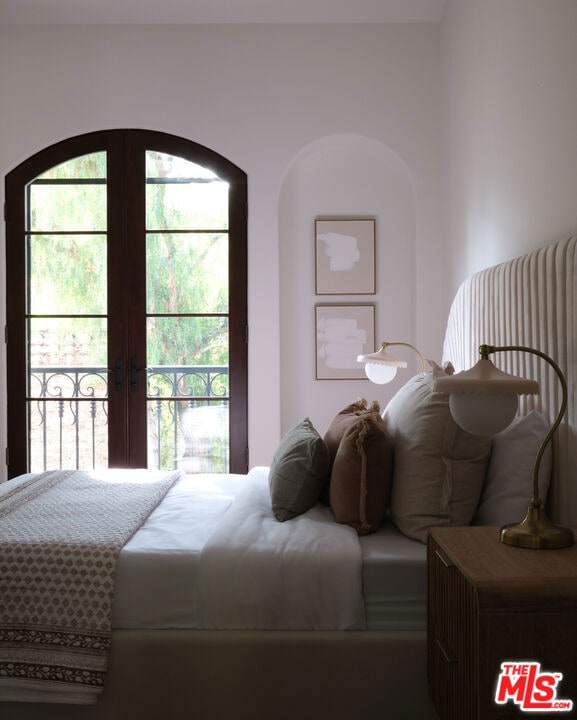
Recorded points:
(117, 373)
(134, 374)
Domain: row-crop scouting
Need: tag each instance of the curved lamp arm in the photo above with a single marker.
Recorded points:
(485, 351)
(385, 345)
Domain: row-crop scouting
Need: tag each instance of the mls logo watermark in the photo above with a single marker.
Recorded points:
(532, 689)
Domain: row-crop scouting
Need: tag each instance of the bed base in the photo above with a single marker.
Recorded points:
(255, 675)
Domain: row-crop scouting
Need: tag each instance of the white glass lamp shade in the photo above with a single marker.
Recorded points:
(381, 366)
(379, 373)
(483, 414)
(484, 399)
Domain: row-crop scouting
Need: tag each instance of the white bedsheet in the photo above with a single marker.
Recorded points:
(394, 580)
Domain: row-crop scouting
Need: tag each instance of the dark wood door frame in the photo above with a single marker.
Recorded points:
(126, 220)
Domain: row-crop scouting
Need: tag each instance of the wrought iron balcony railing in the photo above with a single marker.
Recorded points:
(187, 417)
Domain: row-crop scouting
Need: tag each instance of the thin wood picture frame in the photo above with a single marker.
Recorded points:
(342, 333)
(345, 256)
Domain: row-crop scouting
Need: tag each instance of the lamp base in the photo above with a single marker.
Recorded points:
(537, 532)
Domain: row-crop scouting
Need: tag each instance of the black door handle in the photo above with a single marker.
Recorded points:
(117, 371)
(133, 374)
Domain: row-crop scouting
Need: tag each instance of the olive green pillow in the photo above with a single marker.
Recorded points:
(298, 472)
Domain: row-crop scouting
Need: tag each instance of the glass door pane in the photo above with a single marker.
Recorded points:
(66, 316)
(187, 315)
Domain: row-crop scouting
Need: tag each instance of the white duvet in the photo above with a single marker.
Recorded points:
(258, 573)
(212, 555)
(157, 571)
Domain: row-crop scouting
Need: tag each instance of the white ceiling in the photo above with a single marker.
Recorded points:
(218, 11)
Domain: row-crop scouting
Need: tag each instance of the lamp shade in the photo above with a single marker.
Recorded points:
(380, 374)
(483, 400)
(381, 366)
(483, 414)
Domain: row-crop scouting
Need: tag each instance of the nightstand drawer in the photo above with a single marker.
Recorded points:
(452, 638)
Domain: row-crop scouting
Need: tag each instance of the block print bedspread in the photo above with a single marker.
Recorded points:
(60, 536)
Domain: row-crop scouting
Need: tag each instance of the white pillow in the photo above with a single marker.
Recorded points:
(509, 483)
(438, 468)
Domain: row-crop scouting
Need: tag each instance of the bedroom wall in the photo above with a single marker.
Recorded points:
(267, 98)
(352, 176)
(509, 69)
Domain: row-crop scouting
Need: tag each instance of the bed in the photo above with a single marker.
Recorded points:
(171, 657)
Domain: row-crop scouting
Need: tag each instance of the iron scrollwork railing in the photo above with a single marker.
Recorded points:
(68, 409)
(187, 417)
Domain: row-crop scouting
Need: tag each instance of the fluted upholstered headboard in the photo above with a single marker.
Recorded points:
(530, 300)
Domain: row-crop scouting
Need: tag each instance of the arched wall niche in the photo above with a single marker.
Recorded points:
(342, 175)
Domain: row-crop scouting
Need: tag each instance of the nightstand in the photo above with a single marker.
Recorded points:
(489, 603)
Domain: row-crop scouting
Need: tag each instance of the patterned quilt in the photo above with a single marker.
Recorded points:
(60, 536)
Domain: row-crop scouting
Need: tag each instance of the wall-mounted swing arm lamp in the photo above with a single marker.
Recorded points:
(483, 401)
(381, 366)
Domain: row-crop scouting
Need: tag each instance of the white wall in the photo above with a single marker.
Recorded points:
(261, 96)
(343, 175)
(510, 74)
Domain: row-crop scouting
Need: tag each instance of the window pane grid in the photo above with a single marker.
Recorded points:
(66, 321)
(67, 204)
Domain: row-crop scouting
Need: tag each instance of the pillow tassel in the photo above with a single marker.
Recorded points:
(364, 527)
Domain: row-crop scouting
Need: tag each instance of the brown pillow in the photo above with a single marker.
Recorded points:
(343, 420)
(334, 434)
(361, 474)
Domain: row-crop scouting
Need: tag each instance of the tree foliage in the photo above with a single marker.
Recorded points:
(186, 247)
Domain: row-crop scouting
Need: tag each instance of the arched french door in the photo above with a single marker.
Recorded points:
(126, 306)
